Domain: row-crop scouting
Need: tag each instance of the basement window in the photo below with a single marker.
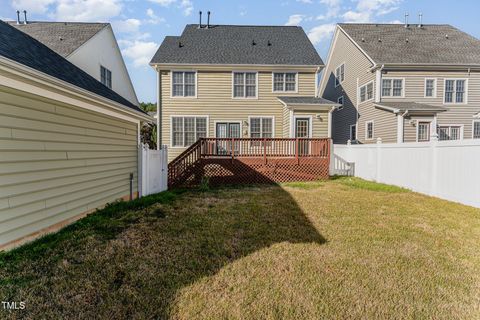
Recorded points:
(106, 77)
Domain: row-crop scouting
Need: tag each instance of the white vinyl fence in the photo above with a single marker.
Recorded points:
(154, 169)
(445, 169)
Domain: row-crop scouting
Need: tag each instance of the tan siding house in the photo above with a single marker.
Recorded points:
(64, 150)
(245, 95)
(424, 83)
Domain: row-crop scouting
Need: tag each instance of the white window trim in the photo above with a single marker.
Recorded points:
(350, 132)
(310, 124)
(226, 121)
(186, 116)
(392, 96)
(434, 88)
(283, 91)
(473, 127)
(366, 130)
(461, 126)
(171, 85)
(430, 127)
(343, 103)
(335, 74)
(465, 101)
(111, 76)
(256, 85)
(365, 85)
(260, 116)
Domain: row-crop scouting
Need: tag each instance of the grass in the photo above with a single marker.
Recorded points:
(343, 249)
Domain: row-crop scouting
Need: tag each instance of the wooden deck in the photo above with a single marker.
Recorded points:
(249, 160)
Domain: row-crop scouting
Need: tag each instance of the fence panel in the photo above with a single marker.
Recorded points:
(154, 170)
(446, 169)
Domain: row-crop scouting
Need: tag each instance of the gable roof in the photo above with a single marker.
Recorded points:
(62, 37)
(21, 48)
(439, 44)
(239, 45)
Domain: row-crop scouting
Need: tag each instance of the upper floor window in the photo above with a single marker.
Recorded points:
(366, 92)
(369, 130)
(476, 129)
(106, 77)
(455, 91)
(244, 84)
(339, 74)
(430, 88)
(340, 101)
(183, 84)
(392, 88)
(261, 127)
(187, 130)
(449, 132)
(284, 82)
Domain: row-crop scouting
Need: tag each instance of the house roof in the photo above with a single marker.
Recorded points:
(409, 106)
(23, 49)
(430, 44)
(306, 100)
(62, 37)
(239, 45)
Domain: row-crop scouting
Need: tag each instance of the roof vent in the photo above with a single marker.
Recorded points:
(269, 43)
(25, 14)
(446, 36)
(379, 40)
(180, 44)
(363, 39)
(254, 43)
(420, 18)
(200, 22)
(406, 40)
(406, 19)
(208, 20)
(60, 38)
(18, 17)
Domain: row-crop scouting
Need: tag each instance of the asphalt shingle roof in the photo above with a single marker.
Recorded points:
(429, 44)
(412, 106)
(61, 37)
(306, 100)
(239, 45)
(21, 48)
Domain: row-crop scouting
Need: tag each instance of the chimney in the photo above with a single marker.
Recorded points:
(406, 20)
(200, 23)
(18, 17)
(208, 20)
(420, 16)
(25, 14)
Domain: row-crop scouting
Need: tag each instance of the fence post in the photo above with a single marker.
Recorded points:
(379, 160)
(433, 178)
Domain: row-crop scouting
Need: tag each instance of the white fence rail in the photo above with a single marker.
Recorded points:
(154, 170)
(445, 169)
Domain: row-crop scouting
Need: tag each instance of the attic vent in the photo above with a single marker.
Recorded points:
(254, 43)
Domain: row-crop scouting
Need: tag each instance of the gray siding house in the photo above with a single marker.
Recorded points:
(403, 83)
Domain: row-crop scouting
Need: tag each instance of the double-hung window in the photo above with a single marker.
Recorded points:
(366, 92)
(423, 131)
(392, 88)
(455, 91)
(106, 77)
(183, 84)
(430, 88)
(339, 74)
(244, 84)
(476, 129)
(369, 130)
(284, 82)
(449, 132)
(261, 127)
(187, 130)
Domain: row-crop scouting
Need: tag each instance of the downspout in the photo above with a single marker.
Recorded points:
(378, 80)
(159, 107)
(317, 87)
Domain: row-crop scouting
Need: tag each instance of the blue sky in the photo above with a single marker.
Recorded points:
(140, 26)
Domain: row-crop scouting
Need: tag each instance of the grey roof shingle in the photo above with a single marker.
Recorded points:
(233, 45)
(428, 44)
(21, 48)
(62, 37)
(306, 100)
(411, 106)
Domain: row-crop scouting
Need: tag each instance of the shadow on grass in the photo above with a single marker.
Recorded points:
(131, 259)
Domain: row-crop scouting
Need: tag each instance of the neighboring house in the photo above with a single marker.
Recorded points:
(68, 144)
(403, 83)
(90, 46)
(229, 81)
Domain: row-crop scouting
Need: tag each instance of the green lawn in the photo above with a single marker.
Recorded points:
(341, 249)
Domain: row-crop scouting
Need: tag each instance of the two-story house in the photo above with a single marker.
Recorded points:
(226, 81)
(90, 46)
(403, 83)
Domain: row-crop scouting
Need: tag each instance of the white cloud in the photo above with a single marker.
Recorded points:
(87, 10)
(32, 6)
(185, 5)
(140, 52)
(305, 1)
(154, 19)
(295, 20)
(127, 26)
(356, 17)
(321, 32)
(164, 3)
(366, 10)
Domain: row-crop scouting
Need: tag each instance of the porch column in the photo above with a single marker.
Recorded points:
(330, 122)
(433, 129)
(378, 84)
(400, 121)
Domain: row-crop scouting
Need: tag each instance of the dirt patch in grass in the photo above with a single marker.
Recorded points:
(330, 250)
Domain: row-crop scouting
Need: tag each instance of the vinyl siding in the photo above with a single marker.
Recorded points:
(457, 114)
(58, 161)
(356, 68)
(214, 99)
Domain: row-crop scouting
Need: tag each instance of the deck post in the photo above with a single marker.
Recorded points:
(296, 151)
(265, 150)
(233, 149)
